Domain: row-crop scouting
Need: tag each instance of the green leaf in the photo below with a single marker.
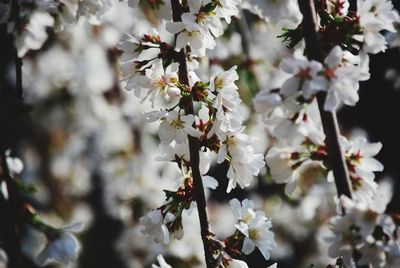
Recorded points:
(293, 36)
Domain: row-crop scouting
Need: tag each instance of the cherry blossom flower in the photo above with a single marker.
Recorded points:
(227, 101)
(190, 33)
(255, 226)
(206, 20)
(361, 154)
(63, 248)
(305, 77)
(175, 126)
(227, 9)
(14, 164)
(159, 82)
(34, 34)
(243, 162)
(344, 239)
(362, 165)
(376, 15)
(289, 164)
(154, 226)
(223, 84)
(341, 81)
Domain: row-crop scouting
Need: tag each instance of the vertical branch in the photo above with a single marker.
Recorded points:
(194, 147)
(11, 94)
(329, 120)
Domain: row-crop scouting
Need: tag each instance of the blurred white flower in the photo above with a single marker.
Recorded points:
(64, 248)
(3, 259)
(34, 34)
(375, 16)
(227, 9)
(14, 164)
(154, 226)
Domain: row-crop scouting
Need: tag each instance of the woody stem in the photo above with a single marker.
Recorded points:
(329, 121)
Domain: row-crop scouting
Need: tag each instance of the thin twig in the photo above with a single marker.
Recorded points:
(329, 120)
(194, 148)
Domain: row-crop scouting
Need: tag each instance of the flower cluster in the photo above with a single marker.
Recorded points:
(255, 228)
(153, 69)
(357, 32)
(130, 97)
(367, 230)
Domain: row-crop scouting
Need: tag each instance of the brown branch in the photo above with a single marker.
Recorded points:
(194, 148)
(11, 94)
(329, 120)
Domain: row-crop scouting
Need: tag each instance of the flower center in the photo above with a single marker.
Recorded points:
(370, 216)
(160, 83)
(177, 124)
(254, 234)
(231, 141)
(247, 218)
(219, 83)
(330, 73)
(304, 74)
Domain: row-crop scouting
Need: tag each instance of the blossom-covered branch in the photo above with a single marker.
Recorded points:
(194, 146)
(328, 118)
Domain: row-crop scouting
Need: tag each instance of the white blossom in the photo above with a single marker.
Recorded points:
(243, 162)
(154, 226)
(34, 34)
(190, 33)
(227, 9)
(159, 82)
(341, 81)
(227, 101)
(375, 16)
(64, 248)
(255, 226)
(175, 126)
(305, 77)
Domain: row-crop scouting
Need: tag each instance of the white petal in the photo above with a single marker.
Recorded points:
(290, 86)
(236, 208)
(248, 246)
(210, 182)
(166, 133)
(289, 188)
(331, 102)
